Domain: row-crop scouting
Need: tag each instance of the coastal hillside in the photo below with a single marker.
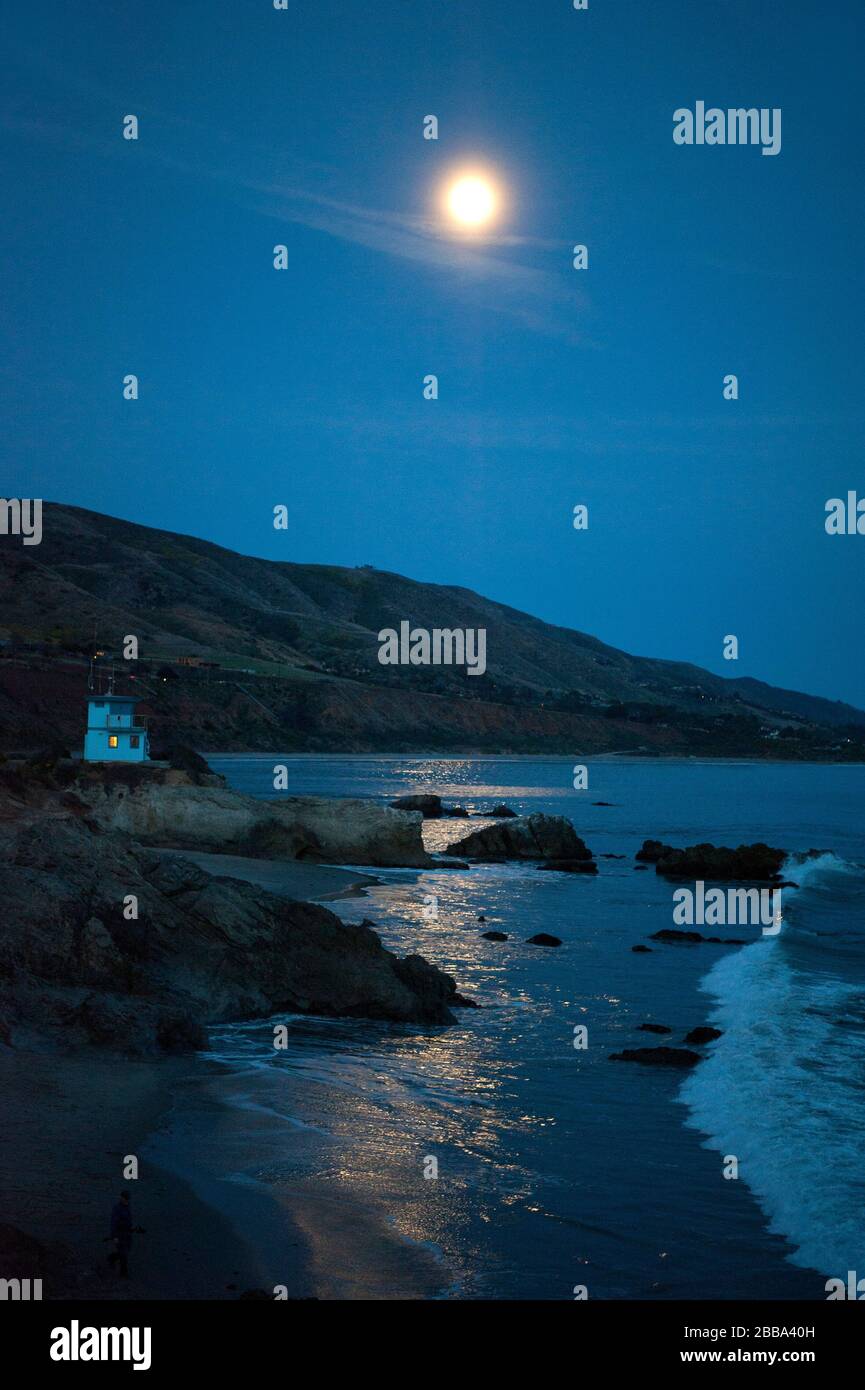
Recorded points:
(244, 653)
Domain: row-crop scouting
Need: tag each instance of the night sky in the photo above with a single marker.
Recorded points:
(556, 386)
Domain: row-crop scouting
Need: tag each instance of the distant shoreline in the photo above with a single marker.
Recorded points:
(567, 758)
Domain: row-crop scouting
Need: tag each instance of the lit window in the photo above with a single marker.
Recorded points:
(112, 740)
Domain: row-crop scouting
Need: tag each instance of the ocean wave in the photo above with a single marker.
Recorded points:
(783, 1089)
(806, 868)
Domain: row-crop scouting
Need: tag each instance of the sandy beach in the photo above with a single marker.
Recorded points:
(71, 1121)
(288, 878)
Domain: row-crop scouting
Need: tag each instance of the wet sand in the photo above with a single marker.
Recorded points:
(289, 878)
(69, 1123)
(72, 1121)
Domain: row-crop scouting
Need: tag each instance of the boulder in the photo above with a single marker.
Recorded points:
(502, 812)
(657, 1056)
(652, 851)
(525, 837)
(543, 939)
(656, 1028)
(429, 806)
(494, 935)
(642, 950)
(699, 1036)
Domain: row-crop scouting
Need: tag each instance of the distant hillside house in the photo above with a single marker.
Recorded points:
(112, 733)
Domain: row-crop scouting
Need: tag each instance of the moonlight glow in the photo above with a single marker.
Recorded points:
(472, 200)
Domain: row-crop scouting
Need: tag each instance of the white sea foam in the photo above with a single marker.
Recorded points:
(784, 1088)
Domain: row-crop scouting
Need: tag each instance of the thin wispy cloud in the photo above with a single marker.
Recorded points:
(542, 298)
(538, 297)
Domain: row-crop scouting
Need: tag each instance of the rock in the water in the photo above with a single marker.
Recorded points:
(673, 934)
(656, 1028)
(459, 1001)
(693, 937)
(571, 866)
(657, 1056)
(494, 935)
(502, 812)
(699, 1036)
(525, 837)
(429, 806)
(642, 950)
(543, 939)
(458, 811)
(652, 851)
(756, 863)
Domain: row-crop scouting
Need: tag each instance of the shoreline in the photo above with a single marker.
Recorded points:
(238, 1228)
(310, 1238)
(622, 755)
(91, 1113)
(298, 879)
(206, 1236)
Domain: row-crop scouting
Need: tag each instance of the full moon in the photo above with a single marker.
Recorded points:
(472, 200)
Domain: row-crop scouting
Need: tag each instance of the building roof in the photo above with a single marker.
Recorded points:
(107, 699)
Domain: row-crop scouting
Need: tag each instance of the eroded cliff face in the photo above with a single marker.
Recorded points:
(342, 830)
(75, 967)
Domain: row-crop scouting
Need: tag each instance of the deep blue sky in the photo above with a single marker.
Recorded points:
(556, 386)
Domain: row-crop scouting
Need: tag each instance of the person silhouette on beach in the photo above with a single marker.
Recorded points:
(121, 1234)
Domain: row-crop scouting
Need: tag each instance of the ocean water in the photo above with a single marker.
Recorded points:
(557, 1167)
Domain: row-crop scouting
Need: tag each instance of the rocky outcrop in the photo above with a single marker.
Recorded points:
(525, 837)
(336, 830)
(494, 935)
(543, 938)
(107, 942)
(502, 812)
(756, 863)
(657, 1056)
